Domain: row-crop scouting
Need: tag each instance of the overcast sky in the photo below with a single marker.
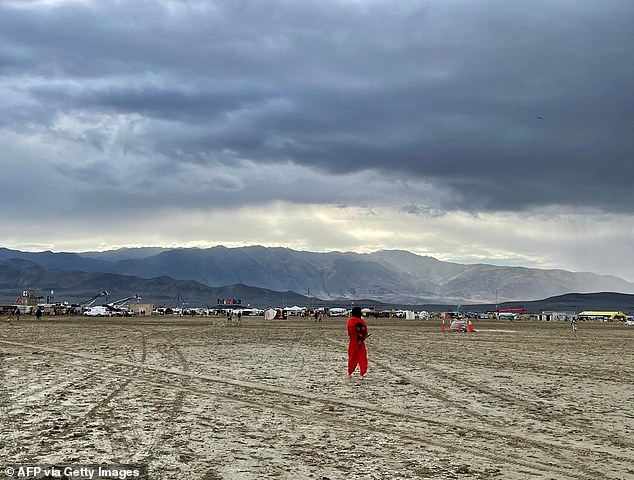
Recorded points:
(490, 131)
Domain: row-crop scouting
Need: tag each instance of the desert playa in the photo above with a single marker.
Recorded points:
(199, 399)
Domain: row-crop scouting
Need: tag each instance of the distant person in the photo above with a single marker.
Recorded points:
(17, 314)
(38, 313)
(573, 322)
(229, 316)
(239, 317)
(357, 354)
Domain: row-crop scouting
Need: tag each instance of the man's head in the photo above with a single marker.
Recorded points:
(356, 312)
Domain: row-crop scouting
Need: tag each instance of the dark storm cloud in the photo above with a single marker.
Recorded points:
(510, 105)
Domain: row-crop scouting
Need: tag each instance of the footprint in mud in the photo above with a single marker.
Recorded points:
(211, 475)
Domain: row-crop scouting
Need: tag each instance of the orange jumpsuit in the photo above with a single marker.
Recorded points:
(357, 354)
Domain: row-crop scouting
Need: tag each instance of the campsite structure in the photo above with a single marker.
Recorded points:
(28, 300)
(118, 308)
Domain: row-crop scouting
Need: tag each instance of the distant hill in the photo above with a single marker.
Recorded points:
(388, 276)
(570, 302)
(75, 287)
(577, 302)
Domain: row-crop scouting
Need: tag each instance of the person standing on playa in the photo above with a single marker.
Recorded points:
(357, 354)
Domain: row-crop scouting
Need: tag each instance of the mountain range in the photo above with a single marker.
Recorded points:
(205, 275)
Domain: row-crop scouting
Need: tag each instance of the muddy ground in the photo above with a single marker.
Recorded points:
(199, 399)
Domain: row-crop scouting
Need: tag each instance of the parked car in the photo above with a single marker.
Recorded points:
(98, 312)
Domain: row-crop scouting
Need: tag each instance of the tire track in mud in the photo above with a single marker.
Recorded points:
(106, 413)
(431, 391)
(96, 382)
(174, 410)
(149, 447)
(116, 389)
(337, 421)
(100, 411)
(521, 442)
(565, 367)
(52, 390)
(567, 370)
(54, 398)
(513, 401)
(554, 449)
(5, 398)
(387, 428)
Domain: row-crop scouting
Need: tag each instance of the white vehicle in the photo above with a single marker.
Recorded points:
(629, 322)
(338, 312)
(100, 311)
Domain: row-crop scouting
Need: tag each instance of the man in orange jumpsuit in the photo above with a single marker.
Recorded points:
(357, 354)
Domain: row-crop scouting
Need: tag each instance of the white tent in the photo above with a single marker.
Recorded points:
(295, 310)
(270, 314)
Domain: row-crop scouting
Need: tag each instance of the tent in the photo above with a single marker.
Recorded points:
(295, 310)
